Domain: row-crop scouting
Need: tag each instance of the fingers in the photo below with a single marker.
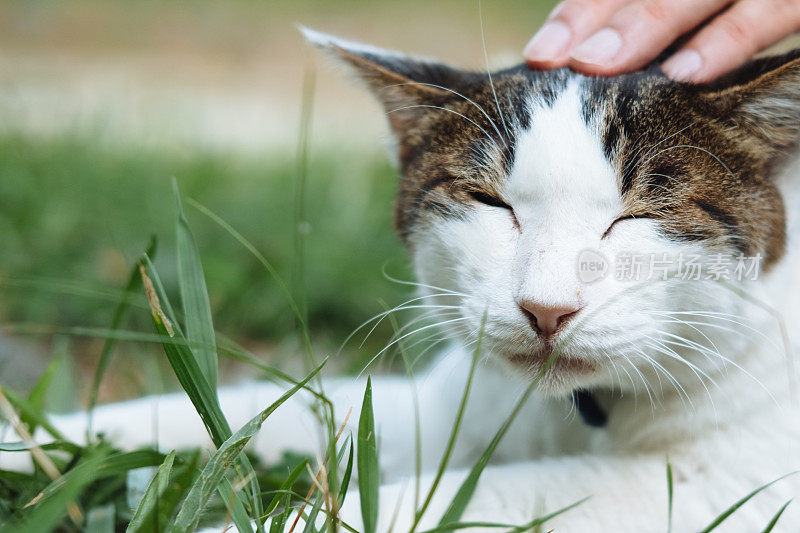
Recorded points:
(732, 38)
(607, 37)
(638, 33)
(570, 23)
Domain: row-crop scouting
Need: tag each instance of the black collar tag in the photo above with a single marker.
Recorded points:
(590, 411)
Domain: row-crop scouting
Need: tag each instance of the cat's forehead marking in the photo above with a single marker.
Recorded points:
(560, 161)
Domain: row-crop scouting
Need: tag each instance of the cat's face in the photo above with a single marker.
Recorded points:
(559, 212)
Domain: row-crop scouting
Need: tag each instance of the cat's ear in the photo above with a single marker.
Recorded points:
(762, 101)
(407, 86)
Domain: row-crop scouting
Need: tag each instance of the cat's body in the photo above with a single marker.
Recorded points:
(548, 460)
(506, 183)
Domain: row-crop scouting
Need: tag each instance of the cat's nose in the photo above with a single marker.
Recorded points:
(547, 319)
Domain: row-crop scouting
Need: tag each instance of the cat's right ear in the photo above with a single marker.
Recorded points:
(408, 87)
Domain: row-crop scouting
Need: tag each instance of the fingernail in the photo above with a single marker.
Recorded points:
(550, 41)
(600, 48)
(683, 65)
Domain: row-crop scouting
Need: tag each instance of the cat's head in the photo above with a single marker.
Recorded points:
(555, 205)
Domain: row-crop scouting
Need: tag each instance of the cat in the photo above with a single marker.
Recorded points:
(627, 242)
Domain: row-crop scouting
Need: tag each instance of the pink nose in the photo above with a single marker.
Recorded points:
(547, 319)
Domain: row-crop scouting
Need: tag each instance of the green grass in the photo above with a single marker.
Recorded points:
(76, 215)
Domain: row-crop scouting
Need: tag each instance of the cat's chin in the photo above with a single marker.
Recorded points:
(565, 374)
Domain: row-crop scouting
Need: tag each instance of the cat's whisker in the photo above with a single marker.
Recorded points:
(704, 312)
(421, 318)
(619, 377)
(437, 335)
(380, 316)
(672, 379)
(731, 330)
(441, 108)
(645, 383)
(440, 290)
(656, 372)
(708, 152)
(478, 107)
(705, 351)
(677, 386)
(616, 370)
(489, 71)
(690, 344)
(692, 326)
(657, 186)
(443, 310)
(634, 160)
(638, 158)
(662, 348)
(671, 178)
(433, 311)
(443, 338)
(727, 317)
(466, 333)
(395, 341)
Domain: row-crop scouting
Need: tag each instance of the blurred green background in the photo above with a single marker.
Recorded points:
(103, 102)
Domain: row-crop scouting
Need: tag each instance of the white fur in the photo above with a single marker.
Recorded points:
(727, 426)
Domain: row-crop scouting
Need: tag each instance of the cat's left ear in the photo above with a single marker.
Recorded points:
(407, 86)
(762, 101)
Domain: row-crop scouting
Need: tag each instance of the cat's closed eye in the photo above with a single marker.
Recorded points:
(493, 201)
(622, 219)
(488, 199)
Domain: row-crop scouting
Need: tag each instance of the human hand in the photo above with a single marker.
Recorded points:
(608, 37)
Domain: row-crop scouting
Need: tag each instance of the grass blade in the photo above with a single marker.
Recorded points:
(453, 526)
(234, 503)
(131, 287)
(296, 311)
(348, 471)
(735, 507)
(24, 408)
(48, 512)
(451, 442)
(415, 399)
(222, 460)
(182, 360)
(774, 521)
(110, 465)
(278, 524)
(160, 516)
(194, 296)
(311, 518)
(367, 458)
(38, 394)
(51, 504)
(467, 489)
(541, 520)
(286, 486)
(465, 525)
(155, 490)
(300, 222)
(21, 446)
(670, 488)
(465, 492)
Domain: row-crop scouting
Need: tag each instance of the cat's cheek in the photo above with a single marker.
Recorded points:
(471, 255)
